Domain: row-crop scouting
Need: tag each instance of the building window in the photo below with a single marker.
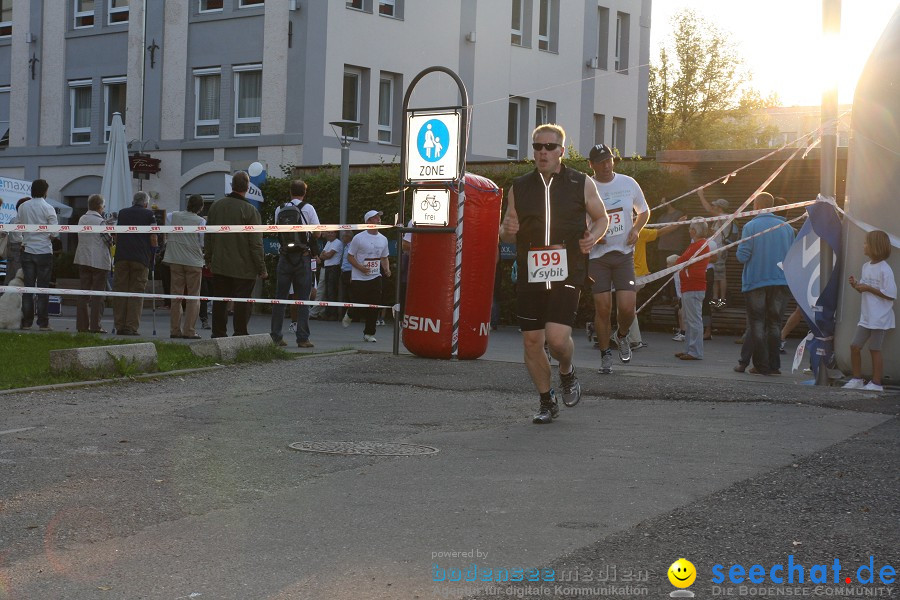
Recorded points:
(114, 101)
(84, 13)
(548, 25)
(599, 129)
(623, 21)
(618, 135)
(352, 101)
(386, 109)
(6, 18)
(513, 139)
(544, 112)
(250, 3)
(602, 38)
(247, 100)
(544, 26)
(355, 4)
(80, 108)
(387, 8)
(516, 35)
(206, 107)
(4, 117)
(210, 5)
(118, 11)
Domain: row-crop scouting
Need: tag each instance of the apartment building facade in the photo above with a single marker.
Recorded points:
(209, 86)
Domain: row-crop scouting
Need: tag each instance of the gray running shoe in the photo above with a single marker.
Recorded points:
(624, 348)
(605, 362)
(547, 412)
(589, 329)
(571, 388)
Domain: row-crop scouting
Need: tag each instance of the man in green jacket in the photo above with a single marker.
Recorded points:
(235, 259)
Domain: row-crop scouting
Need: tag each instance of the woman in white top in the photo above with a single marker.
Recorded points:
(14, 247)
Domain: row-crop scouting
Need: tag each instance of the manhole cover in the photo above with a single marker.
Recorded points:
(364, 448)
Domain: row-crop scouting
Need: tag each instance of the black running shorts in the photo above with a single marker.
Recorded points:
(538, 306)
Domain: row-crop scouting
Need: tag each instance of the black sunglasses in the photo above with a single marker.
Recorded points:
(551, 146)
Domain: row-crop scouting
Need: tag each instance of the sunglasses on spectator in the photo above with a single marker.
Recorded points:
(551, 146)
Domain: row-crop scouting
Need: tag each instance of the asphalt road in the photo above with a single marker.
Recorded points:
(185, 487)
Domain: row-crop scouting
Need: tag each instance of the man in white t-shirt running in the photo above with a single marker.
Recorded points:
(368, 254)
(611, 259)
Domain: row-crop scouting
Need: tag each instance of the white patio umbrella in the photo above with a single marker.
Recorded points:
(116, 187)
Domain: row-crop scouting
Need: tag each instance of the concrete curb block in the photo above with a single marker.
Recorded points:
(142, 355)
(226, 348)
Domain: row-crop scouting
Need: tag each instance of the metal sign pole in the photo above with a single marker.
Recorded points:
(458, 181)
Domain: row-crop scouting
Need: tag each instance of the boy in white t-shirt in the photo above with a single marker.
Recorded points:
(879, 290)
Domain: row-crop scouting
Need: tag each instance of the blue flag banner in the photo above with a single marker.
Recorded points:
(801, 269)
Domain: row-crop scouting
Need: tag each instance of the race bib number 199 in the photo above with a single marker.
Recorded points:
(547, 264)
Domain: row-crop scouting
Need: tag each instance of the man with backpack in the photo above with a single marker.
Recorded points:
(298, 250)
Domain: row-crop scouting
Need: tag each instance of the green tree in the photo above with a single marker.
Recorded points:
(700, 94)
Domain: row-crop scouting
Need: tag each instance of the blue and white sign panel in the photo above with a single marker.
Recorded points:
(432, 147)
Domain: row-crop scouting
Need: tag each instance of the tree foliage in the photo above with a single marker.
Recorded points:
(699, 92)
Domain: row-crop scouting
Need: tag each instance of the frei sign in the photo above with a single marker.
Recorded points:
(431, 207)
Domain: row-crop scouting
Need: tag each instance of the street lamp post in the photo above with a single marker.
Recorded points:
(831, 28)
(347, 128)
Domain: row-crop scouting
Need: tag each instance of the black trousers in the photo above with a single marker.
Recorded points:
(367, 292)
(231, 287)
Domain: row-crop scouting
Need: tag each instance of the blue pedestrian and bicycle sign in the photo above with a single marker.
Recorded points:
(433, 146)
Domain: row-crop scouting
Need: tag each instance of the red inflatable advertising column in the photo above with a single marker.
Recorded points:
(427, 326)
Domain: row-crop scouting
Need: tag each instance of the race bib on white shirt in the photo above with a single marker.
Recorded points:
(548, 264)
(616, 223)
(372, 265)
(622, 198)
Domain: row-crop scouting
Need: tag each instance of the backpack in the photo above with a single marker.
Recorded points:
(292, 241)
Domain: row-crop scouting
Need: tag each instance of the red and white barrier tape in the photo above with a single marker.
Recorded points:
(750, 213)
(34, 228)
(65, 292)
(669, 270)
(895, 241)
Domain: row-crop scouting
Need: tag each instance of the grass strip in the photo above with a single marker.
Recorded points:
(25, 357)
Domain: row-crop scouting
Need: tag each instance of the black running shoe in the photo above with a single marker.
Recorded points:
(547, 412)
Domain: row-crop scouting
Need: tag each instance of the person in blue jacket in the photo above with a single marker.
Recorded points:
(763, 283)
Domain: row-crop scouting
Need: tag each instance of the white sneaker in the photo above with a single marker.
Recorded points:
(346, 320)
(854, 384)
(678, 337)
(624, 348)
(369, 338)
(872, 387)
(293, 326)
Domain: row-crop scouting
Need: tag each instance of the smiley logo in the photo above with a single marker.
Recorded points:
(682, 573)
